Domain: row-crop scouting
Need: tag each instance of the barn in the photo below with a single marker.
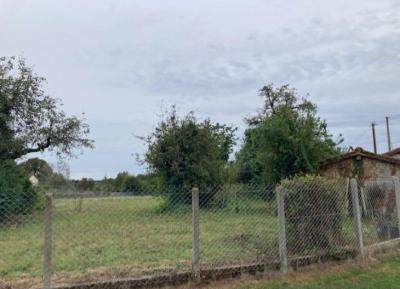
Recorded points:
(378, 185)
(363, 165)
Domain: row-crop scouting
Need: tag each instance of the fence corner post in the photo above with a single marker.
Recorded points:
(48, 241)
(280, 197)
(357, 217)
(196, 234)
(396, 184)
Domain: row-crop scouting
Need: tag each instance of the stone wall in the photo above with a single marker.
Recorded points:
(365, 169)
(374, 169)
(338, 169)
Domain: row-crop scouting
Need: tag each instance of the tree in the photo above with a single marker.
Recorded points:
(86, 184)
(39, 168)
(185, 152)
(105, 185)
(16, 193)
(124, 182)
(49, 178)
(58, 181)
(284, 139)
(30, 120)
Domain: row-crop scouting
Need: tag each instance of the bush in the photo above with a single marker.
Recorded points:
(126, 183)
(315, 210)
(186, 153)
(381, 207)
(16, 194)
(241, 197)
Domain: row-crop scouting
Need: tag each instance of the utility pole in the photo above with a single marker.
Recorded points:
(374, 137)
(388, 134)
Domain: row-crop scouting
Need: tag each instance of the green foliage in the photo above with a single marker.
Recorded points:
(30, 120)
(285, 139)
(185, 153)
(124, 182)
(16, 194)
(49, 180)
(245, 197)
(105, 185)
(151, 183)
(86, 184)
(314, 209)
(38, 168)
(57, 181)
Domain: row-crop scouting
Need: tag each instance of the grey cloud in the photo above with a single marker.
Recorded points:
(120, 61)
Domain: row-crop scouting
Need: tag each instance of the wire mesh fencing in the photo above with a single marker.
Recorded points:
(110, 237)
(379, 209)
(72, 238)
(319, 218)
(238, 225)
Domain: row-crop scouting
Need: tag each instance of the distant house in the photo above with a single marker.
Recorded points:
(375, 185)
(393, 153)
(364, 165)
(34, 180)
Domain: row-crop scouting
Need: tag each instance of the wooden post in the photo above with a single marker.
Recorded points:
(357, 217)
(374, 137)
(280, 197)
(48, 241)
(196, 234)
(396, 184)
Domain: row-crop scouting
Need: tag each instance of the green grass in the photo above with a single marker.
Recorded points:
(382, 274)
(133, 236)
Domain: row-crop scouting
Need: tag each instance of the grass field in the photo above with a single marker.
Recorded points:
(123, 236)
(382, 273)
(112, 237)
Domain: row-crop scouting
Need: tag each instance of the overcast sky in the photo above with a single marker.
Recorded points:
(121, 62)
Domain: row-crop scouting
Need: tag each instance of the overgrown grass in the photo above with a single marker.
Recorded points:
(380, 274)
(131, 236)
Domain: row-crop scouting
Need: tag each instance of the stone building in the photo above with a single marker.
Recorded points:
(376, 187)
(363, 165)
(34, 180)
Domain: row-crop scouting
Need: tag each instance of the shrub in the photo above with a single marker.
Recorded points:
(16, 194)
(241, 197)
(186, 153)
(381, 207)
(315, 210)
(126, 183)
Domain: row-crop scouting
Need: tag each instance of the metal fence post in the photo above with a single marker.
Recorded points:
(357, 216)
(280, 197)
(196, 234)
(396, 184)
(48, 241)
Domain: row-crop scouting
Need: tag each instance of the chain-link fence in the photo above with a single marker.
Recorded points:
(65, 239)
(319, 218)
(379, 210)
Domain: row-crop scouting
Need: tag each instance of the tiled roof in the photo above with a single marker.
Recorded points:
(366, 154)
(392, 152)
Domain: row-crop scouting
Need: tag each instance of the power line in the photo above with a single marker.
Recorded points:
(396, 116)
(360, 135)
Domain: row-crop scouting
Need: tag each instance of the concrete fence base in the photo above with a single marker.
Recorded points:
(210, 274)
(382, 247)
